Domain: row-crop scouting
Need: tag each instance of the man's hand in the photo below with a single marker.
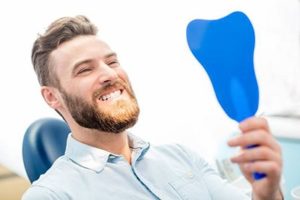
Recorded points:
(264, 158)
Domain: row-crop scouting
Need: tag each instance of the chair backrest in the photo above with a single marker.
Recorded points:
(44, 141)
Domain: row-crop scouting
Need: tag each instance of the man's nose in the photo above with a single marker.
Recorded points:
(106, 73)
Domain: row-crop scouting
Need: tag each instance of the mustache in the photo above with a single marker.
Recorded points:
(120, 84)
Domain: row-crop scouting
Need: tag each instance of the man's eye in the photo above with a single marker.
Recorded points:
(83, 70)
(114, 63)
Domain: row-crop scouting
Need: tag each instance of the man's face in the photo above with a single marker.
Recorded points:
(95, 89)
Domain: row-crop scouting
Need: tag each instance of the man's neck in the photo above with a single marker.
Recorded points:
(111, 142)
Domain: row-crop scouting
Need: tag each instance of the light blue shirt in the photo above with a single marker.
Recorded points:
(166, 172)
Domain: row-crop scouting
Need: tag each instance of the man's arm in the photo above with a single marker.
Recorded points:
(265, 158)
(38, 193)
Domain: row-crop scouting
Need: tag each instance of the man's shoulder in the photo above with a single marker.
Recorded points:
(49, 185)
(59, 170)
(39, 192)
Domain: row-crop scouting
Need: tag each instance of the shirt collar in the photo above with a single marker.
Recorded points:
(94, 158)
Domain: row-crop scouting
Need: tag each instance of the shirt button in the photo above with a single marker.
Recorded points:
(113, 158)
(190, 175)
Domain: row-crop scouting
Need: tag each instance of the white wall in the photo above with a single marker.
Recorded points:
(174, 92)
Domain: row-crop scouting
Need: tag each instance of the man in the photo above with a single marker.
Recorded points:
(81, 78)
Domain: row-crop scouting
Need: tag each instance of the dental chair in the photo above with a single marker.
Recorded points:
(44, 141)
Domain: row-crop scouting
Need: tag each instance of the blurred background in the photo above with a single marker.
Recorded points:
(177, 100)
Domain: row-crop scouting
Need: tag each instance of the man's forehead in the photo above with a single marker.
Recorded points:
(78, 43)
(79, 46)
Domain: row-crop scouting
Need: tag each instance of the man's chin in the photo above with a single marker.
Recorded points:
(124, 116)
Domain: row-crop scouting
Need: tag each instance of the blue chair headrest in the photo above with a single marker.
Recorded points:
(43, 142)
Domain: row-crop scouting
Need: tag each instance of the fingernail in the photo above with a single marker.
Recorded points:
(231, 142)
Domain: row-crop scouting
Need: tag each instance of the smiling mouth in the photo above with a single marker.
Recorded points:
(111, 95)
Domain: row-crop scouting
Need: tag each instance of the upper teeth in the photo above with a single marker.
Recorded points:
(111, 95)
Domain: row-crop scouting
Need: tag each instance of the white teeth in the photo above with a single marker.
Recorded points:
(111, 95)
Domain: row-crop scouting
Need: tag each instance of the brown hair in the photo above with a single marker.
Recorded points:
(60, 31)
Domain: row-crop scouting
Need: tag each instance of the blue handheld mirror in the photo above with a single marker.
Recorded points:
(225, 48)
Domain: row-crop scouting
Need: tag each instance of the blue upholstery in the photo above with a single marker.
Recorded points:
(43, 142)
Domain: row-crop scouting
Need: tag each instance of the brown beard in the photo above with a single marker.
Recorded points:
(123, 115)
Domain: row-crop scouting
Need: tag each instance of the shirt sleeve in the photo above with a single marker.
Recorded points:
(38, 193)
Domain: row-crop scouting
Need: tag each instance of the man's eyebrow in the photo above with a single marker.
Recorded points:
(113, 54)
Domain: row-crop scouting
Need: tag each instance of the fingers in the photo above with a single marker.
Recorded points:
(254, 123)
(255, 137)
(259, 149)
(272, 169)
(255, 132)
(258, 159)
(260, 153)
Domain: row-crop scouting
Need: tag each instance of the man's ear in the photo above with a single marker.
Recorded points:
(51, 96)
